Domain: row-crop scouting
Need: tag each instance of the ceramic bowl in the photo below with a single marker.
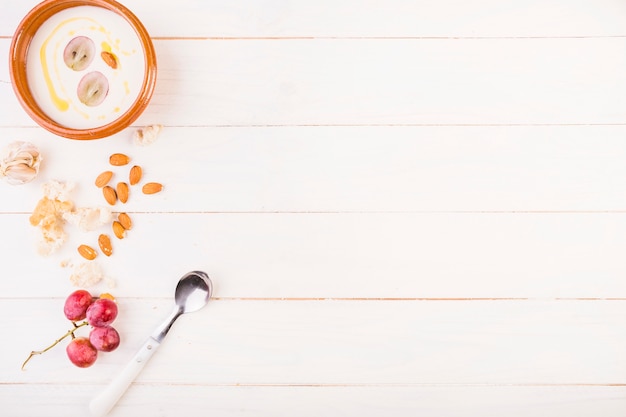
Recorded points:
(18, 65)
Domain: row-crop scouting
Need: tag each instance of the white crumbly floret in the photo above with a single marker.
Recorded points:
(65, 263)
(55, 209)
(48, 216)
(147, 135)
(87, 274)
(51, 240)
(110, 282)
(56, 190)
(88, 218)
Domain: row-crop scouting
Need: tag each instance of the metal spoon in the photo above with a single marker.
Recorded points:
(192, 293)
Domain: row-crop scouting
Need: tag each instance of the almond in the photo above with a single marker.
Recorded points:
(122, 191)
(135, 175)
(152, 188)
(125, 221)
(119, 159)
(109, 59)
(107, 296)
(118, 230)
(87, 252)
(109, 194)
(103, 179)
(105, 244)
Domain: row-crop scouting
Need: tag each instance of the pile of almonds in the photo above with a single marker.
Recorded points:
(112, 195)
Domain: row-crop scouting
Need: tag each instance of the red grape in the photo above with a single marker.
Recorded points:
(106, 339)
(81, 352)
(76, 305)
(101, 312)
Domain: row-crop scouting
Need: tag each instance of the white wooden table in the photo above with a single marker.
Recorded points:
(407, 208)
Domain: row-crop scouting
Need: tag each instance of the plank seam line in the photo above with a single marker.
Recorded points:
(285, 125)
(349, 212)
(270, 125)
(381, 38)
(365, 299)
(345, 385)
(407, 385)
(368, 38)
(435, 299)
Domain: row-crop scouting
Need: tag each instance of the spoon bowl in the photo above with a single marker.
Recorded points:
(193, 291)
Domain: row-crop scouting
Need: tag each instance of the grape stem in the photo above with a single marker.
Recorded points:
(56, 342)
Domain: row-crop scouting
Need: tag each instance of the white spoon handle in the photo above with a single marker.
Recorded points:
(103, 403)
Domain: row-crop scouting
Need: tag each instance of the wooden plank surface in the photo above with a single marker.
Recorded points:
(347, 18)
(381, 81)
(346, 255)
(350, 169)
(444, 401)
(344, 342)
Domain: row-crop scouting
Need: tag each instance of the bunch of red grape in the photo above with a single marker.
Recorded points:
(99, 313)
